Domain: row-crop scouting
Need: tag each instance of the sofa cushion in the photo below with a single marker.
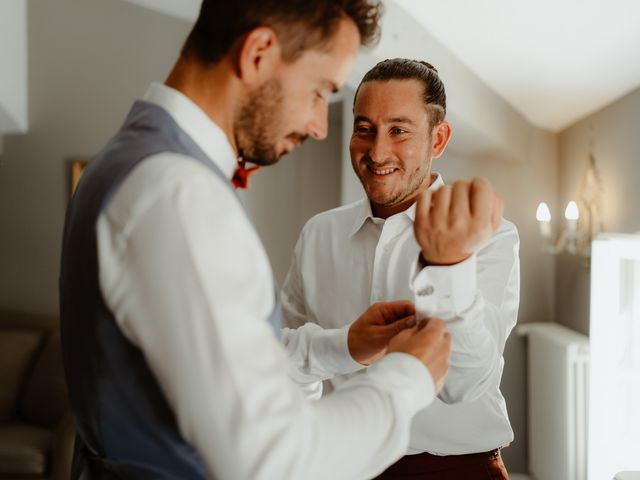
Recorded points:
(45, 395)
(17, 348)
(24, 449)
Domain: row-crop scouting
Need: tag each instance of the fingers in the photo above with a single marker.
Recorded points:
(433, 326)
(460, 207)
(394, 328)
(455, 220)
(496, 214)
(396, 310)
(481, 199)
(423, 201)
(440, 204)
(423, 208)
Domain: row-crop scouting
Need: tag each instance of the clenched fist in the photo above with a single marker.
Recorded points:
(455, 220)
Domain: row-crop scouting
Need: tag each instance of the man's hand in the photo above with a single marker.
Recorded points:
(369, 335)
(455, 220)
(430, 343)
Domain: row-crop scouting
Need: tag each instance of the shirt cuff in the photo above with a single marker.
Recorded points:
(444, 291)
(406, 378)
(333, 347)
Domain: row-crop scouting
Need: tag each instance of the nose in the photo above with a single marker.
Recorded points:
(318, 127)
(379, 149)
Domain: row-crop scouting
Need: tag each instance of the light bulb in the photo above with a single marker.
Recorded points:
(572, 212)
(542, 213)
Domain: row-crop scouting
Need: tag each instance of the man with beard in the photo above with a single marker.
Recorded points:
(169, 317)
(415, 237)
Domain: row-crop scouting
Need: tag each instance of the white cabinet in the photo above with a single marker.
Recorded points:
(614, 411)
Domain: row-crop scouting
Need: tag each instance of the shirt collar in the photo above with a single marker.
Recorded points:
(363, 208)
(190, 117)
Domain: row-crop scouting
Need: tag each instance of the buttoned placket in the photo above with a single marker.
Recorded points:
(392, 229)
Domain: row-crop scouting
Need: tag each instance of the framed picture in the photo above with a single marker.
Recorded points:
(77, 167)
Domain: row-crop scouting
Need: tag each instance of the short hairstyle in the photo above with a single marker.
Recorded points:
(434, 96)
(300, 24)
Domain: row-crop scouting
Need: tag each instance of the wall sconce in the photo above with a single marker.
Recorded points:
(571, 239)
(578, 232)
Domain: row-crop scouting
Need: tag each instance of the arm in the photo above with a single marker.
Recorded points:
(479, 299)
(193, 290)
(315, 354)
(476, 293)
(318, 354)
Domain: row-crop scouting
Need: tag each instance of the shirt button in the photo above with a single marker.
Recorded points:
(428, 290)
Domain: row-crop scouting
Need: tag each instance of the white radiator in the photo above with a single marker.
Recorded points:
(558, 369)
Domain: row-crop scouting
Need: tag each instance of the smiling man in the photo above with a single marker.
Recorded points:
(170, 321)
(444, 246)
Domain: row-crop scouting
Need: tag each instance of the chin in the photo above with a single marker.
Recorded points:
(381, 200)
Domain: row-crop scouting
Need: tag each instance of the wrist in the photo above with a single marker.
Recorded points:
(352, 347)
(444, 261)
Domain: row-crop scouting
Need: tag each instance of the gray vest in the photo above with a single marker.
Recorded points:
(126, 428)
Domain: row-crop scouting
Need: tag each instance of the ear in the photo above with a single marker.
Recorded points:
(259, 56)
(440, 137)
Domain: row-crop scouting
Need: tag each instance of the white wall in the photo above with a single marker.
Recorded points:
(13, 64)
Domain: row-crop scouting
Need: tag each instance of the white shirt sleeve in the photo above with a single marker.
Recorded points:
(316, 354)
(478, 298)
(186, 277)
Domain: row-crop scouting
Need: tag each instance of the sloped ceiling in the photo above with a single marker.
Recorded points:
(555, 61)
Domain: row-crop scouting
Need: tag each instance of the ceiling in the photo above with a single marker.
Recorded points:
(555, 61)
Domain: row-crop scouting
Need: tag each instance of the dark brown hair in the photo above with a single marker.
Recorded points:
(300, 24)
(434, 96)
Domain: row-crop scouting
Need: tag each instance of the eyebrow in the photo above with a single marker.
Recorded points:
(363, 118)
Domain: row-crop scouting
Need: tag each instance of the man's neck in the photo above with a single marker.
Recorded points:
(210, 88)
(384, 211)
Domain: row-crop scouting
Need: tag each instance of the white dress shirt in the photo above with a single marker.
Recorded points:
(189, 283)
(346, 259)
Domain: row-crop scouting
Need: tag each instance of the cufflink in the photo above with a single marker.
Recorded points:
(428, 290)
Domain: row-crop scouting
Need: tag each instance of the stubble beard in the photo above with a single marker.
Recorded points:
(256, 124)
(403, 194)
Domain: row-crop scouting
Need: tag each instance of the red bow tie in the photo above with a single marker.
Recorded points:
(241, 176)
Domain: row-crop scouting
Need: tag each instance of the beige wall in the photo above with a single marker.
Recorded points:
(88, 60)
(611, 134)
(283, 197)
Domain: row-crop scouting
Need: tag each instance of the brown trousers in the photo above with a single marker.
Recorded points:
(424, 466)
